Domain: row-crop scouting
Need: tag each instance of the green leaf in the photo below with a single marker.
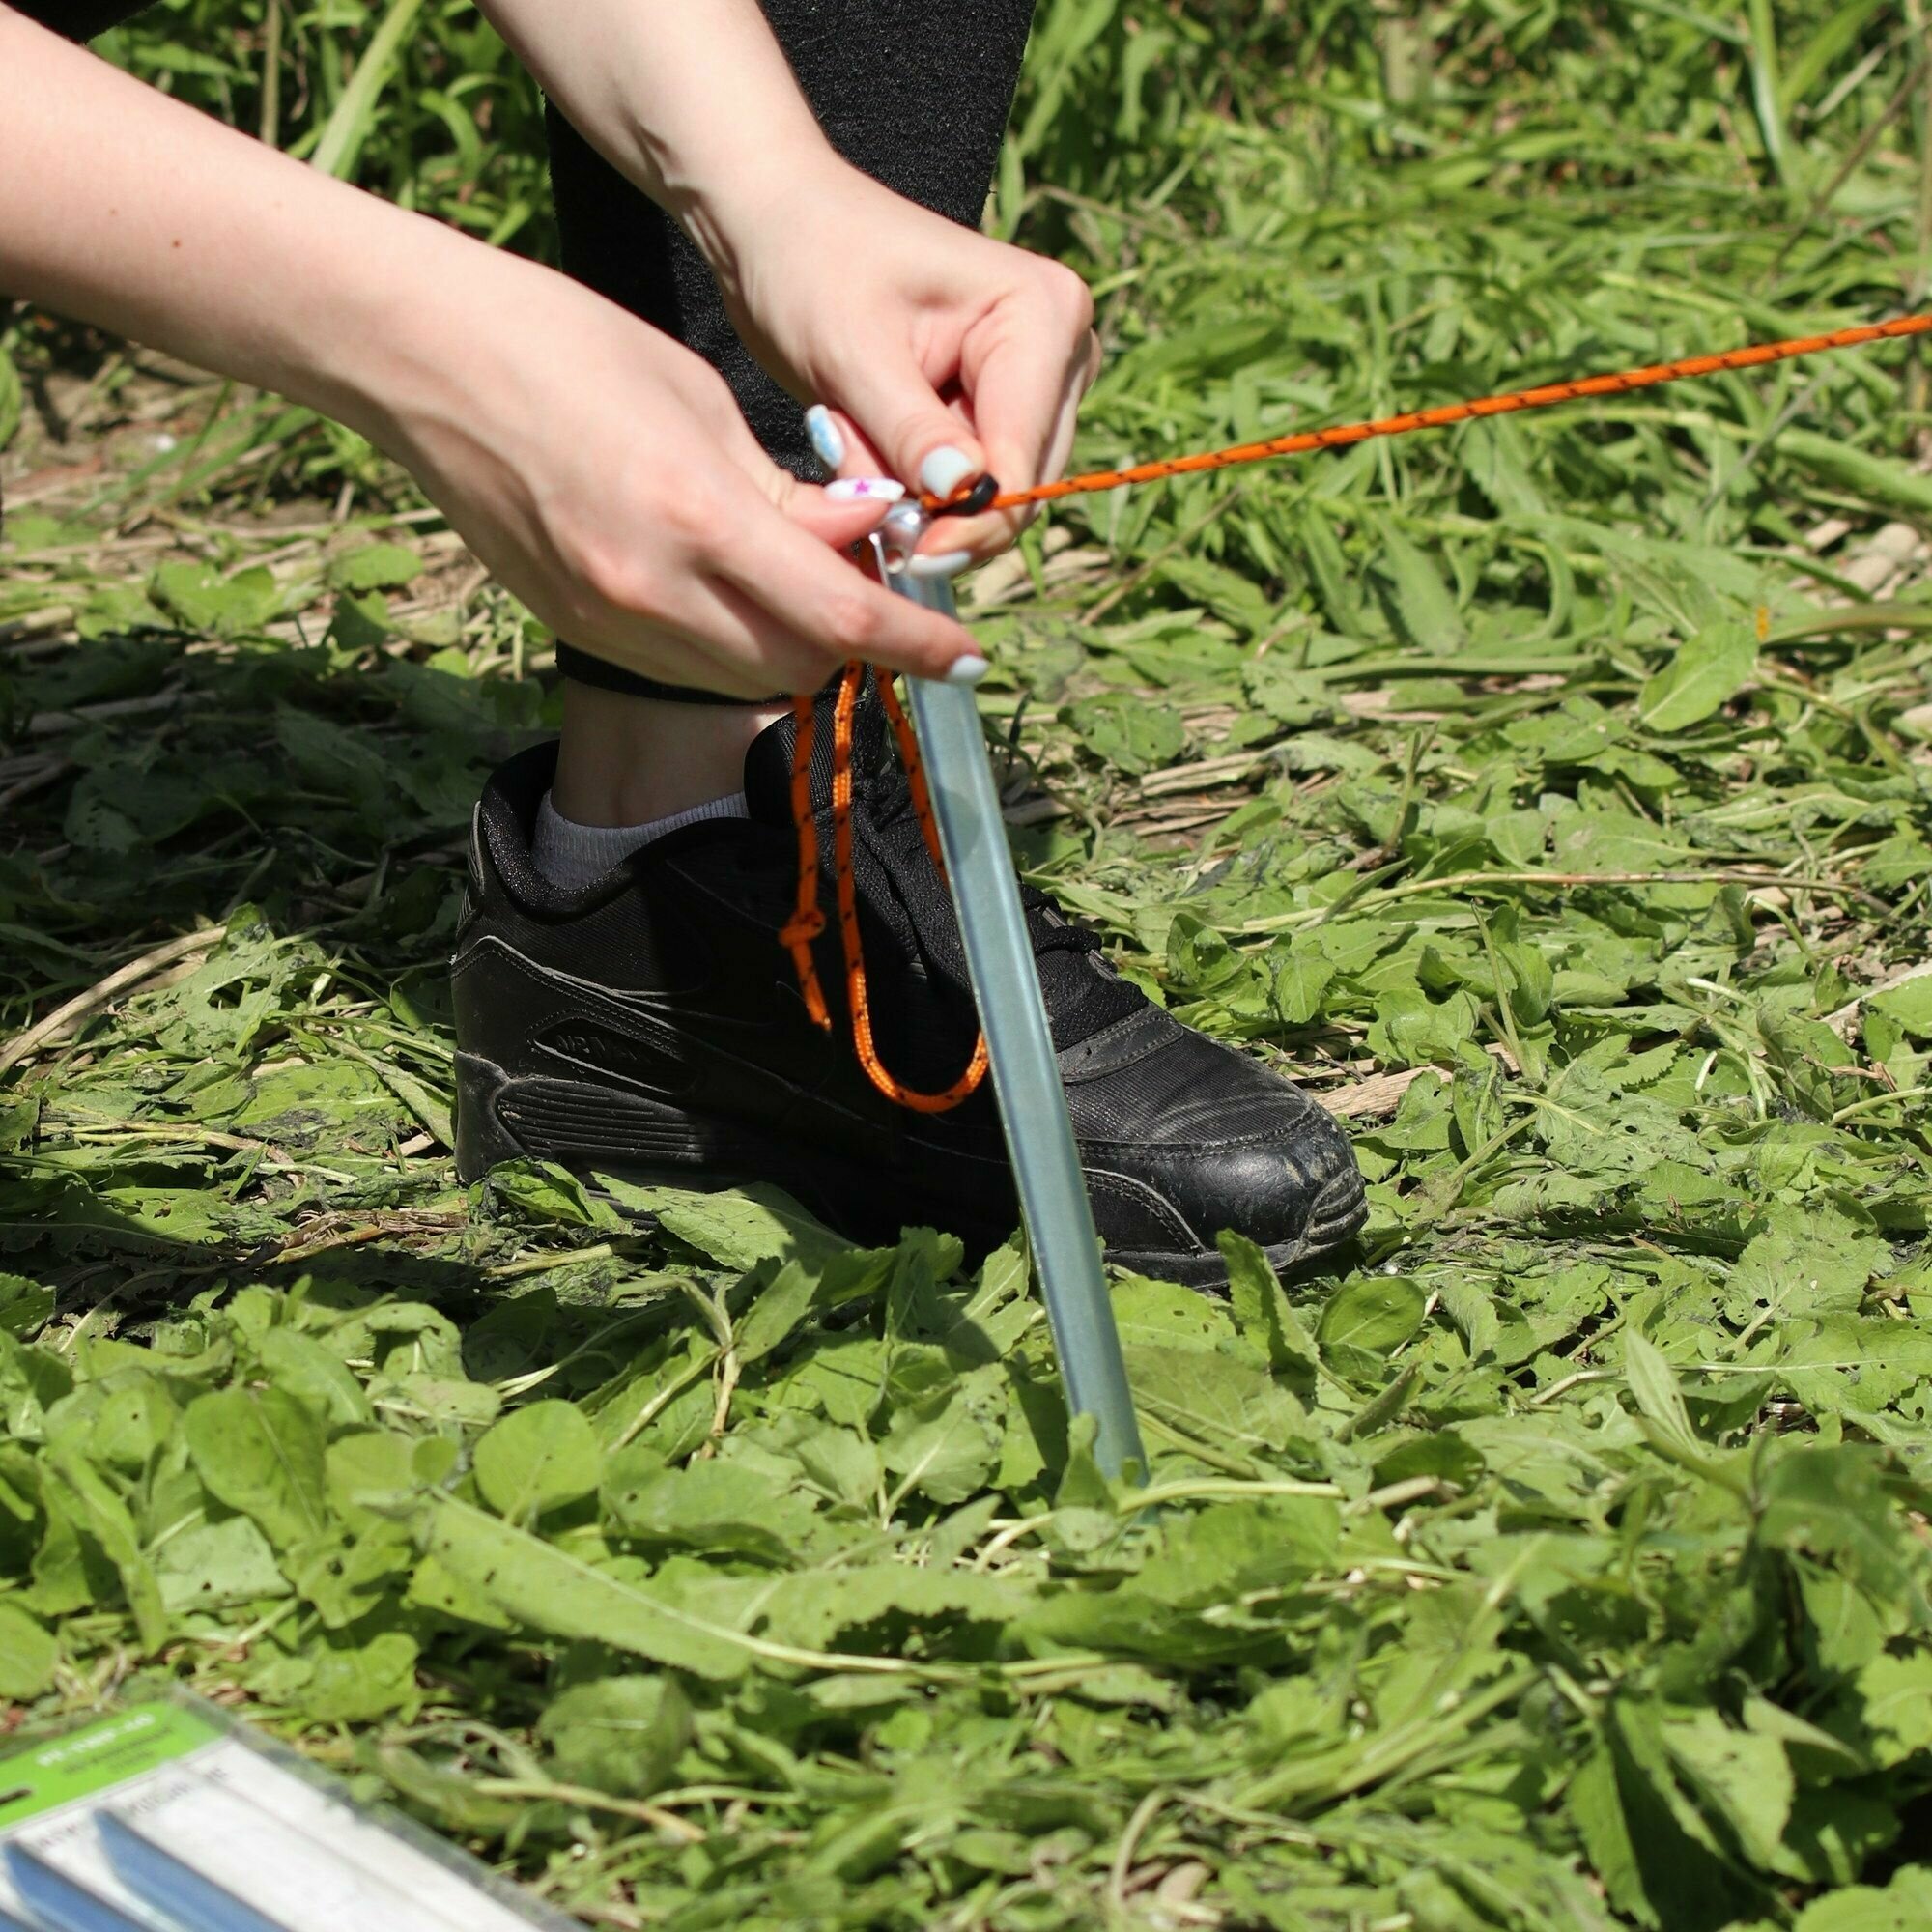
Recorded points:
(536, 1458)
(1300, 982)
(353, 116)
(1831, 1501)
(842, 1461)
(1335, 577)
(737, 1228)
(1839, 30)
(31, 1381)
(1423, 604)
(1884, 480)
(203, 600)
(355, 1683)
(19, 1118)
(946, 1448)
(1127, 732)
(1803, 1264)
(1908, 1007)
(777, 1309)
(1263, 1312)
(1702, 677)
(360, 624)
(260, 1451)
(99, 1510)
(1744, 1778)
(1211, 1556)
(321, 1379)
(623, 1735)
(1199, 959)
(1371, 1314)
(370, 1474)
(1654, 1385)
(1287, 695)
(374, 567)
(27, 1652)
(211, 1564)
(1412, 1030)
(1681, 1866)
(1903, 1905)
(817, 1608)
(544, 1191)
(1895, 1706)
(134, 1420)
(24, 1304)
(712, 1506)
(1531, 981)
(543, 1589)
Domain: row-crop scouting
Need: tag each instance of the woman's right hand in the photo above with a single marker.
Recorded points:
(605, 476)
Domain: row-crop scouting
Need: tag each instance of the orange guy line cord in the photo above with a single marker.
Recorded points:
(1546, 397)
(807, 922)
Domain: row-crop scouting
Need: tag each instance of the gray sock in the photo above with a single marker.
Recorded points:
(571, 855)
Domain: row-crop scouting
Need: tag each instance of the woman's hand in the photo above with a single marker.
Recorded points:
(606, 476)
(938, 354)
(600, 470)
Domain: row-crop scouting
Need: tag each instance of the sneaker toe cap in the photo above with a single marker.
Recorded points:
(1200, 1138)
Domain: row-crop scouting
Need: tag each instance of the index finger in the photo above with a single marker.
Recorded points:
(825, 600)
(1024, 391)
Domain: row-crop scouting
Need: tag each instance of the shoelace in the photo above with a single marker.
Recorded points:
(893, 793)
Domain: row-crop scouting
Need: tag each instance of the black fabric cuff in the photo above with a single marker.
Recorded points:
(580, 668)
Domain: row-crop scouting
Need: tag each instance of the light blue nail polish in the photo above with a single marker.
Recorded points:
(946, 563)
(969, 670)
(827, 444)
(944, 471)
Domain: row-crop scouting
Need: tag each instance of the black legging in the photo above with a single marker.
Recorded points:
(916, 94)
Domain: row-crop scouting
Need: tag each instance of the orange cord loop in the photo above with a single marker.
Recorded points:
(808, 920)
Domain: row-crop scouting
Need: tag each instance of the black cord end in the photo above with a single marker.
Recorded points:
(972, 503)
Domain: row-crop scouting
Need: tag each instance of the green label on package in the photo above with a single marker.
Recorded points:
(167, 1818)
(80, 1763)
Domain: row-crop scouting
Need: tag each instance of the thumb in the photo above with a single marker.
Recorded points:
(841, 513)
(902, 416)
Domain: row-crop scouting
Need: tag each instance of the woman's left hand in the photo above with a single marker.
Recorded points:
(937, 353)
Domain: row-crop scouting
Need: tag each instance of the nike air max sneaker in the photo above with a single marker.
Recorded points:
(650, 1026)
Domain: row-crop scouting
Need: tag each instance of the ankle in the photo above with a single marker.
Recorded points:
(626, 760)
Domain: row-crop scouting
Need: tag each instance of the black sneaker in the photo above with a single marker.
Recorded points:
(650, 1026)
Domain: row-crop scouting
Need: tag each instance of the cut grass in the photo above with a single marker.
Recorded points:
(1553, 797)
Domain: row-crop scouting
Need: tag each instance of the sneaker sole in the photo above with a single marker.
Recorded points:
(632, 1138)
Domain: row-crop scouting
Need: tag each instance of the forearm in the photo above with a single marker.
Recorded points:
(692, 100)
(598, 470)
(124, 208)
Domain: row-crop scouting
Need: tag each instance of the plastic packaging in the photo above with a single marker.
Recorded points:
(166, 1817)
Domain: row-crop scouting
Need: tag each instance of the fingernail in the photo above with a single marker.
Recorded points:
(947, 564)
(969, 670)
(944, 471)
(869, 489)
(827, 444)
